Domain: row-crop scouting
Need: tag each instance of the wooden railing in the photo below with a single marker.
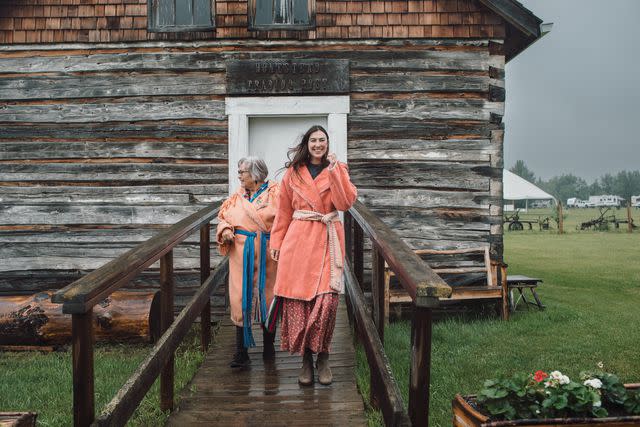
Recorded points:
(425, 288)
(81, 296)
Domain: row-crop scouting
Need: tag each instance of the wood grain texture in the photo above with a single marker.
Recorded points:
(266, 391)
(112, 141)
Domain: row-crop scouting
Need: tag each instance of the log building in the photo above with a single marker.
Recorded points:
(119, 117)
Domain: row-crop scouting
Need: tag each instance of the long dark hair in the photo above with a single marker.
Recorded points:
(299, 155)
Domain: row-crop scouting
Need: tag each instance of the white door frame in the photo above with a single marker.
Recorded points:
(239, 109)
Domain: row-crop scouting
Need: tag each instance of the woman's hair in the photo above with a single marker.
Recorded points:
(299, 155)
(256, 166)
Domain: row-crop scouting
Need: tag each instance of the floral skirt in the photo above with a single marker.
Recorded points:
(308, 324)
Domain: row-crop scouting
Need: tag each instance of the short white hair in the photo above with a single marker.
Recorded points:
(256, 166)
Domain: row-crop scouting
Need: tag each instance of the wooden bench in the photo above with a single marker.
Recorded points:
(522, 283)
(491, 291)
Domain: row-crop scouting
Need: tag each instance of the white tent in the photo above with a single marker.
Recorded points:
(517, 188)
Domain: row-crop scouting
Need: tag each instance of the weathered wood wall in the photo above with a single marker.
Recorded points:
(101, 146)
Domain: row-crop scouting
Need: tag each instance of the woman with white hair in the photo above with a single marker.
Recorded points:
(245, 221)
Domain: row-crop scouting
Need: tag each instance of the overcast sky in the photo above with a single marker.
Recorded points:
(573, 97)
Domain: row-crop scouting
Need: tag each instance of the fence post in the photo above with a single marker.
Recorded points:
(560, 218)
(348, 235)
(166, 318)
(205, 271)
(629, 219)
(82, 359)
(420, 370)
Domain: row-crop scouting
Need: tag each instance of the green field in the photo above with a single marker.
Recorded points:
(592, 293)
(41, 383)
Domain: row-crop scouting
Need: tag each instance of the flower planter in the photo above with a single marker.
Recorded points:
(466, 415)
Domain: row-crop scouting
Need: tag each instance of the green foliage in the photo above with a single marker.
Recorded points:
(554, 396)
(521, 169)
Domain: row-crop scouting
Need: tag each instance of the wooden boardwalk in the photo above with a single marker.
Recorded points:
(269, 393)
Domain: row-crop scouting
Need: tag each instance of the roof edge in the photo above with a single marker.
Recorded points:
(519, 18)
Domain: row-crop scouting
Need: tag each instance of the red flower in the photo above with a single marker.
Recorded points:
(539, 376)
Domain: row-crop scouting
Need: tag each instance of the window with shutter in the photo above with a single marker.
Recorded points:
(180, 15)
(282, 14)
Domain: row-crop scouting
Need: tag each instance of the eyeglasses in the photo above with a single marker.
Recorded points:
(241, 172)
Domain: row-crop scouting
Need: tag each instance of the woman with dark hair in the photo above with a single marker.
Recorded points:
(307, 240)
(245, 220)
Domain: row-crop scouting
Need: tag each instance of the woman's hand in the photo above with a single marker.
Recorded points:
(227, 236)
(275, 254)
(332, 159)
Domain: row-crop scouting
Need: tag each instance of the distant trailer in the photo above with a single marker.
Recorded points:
(635, 201)
(606, 200)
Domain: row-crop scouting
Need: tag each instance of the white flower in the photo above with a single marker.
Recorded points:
(600, 365)
(597, 404)
(565, 380)
(555, 375)
(594, 382)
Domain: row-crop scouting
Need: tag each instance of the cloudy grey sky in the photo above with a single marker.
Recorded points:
(573, 97)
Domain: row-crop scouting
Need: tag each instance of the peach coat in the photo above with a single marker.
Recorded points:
(304, 268)
(257, 216)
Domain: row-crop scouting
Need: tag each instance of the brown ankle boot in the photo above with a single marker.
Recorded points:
(306, 372)
(325, 377)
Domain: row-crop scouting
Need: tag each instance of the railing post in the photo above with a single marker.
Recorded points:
(377, 291)
(82, 344)
(205, 270)
(348, 236)
(358, 253)
(166, 316)
(420, 370)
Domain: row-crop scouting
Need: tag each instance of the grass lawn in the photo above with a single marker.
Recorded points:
(592, 293)
(42, 382)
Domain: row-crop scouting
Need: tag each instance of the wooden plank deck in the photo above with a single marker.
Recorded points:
(269, 393)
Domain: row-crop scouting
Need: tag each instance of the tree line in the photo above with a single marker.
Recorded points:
(624, 184)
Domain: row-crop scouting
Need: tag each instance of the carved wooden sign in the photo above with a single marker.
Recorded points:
(295, 76)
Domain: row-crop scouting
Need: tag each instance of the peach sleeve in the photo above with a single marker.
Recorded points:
(284, 214)
(343, 192)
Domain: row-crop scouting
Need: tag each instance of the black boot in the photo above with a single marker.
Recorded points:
(241, 358)
(268, 349)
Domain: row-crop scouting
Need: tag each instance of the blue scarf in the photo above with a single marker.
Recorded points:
(247, 275)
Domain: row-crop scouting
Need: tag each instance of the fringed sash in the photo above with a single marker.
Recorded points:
(335, 251)
(247, 281)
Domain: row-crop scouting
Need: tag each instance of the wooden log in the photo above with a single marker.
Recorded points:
(427, 109)
(445, 175)
(113, 112)
(401, 82)
(123, 317)
(18, 419)
(405, 58)
(114, 85)
(120, 195)
(114, 173)
(197, 130)
(156, 150)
